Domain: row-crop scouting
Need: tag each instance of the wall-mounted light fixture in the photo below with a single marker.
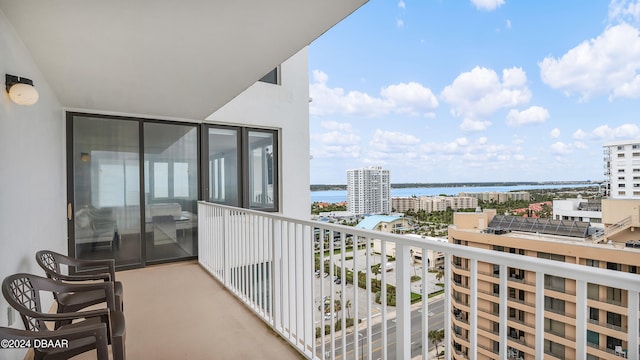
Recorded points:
(21, 90)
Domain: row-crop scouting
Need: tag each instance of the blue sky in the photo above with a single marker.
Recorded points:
(475, 90)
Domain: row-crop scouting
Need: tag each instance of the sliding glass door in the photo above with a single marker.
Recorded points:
(171, 190)
(114, 166)
(133, 184)
(104, 188)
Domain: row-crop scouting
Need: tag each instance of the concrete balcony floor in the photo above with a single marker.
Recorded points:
(178, 311)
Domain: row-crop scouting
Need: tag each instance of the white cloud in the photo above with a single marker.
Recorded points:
(474, 125)
(487, 5)
(625, 131)
(580, 134)
(339, 142)
(477, 153)
(411, 99)
(579, 145)
(389, 141)
(555, 133)
(404, 98)
(479, 93)
(401, 4)
(399, 23)
(561, 148)
(624, 11)
(532, 115)
(336, 138)
(607, 64)
(508, 24)
(334, 125)
(390, 145)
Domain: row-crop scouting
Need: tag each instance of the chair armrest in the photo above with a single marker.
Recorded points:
(85, 277)
(110, 264)
(104, 313)
(62, 287)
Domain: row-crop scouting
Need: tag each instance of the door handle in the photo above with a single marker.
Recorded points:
(69, 211)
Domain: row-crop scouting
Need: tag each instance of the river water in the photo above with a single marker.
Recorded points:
(335, 196)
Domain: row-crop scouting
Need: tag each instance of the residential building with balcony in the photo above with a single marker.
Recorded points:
(622, 169)
(608, 311)
(434, 203)
(368, 191)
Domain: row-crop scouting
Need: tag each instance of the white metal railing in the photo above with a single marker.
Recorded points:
(268, 262)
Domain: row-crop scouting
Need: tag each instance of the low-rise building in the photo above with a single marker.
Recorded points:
(579, 209)
(499, 197)
(433, 203)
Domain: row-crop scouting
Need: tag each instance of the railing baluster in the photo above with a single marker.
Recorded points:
(267, 261)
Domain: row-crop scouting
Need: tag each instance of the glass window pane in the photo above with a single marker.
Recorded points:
(261, 170)
(180, 179)
(223, 166)
(106, 196)
(160, 180)
(171, 206)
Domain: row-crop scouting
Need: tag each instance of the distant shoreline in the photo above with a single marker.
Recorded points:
(325, 187)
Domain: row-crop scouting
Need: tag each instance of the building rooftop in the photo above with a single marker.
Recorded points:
(370, 222)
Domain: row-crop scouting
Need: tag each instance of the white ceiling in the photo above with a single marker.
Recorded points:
(166, 58)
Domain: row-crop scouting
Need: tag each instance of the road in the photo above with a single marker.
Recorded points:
(436, 322)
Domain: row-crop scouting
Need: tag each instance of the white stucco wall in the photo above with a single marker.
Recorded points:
(32, 185)
(284, 107)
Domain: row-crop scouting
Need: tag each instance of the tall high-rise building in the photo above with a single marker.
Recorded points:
(368, 191)
(622, 169)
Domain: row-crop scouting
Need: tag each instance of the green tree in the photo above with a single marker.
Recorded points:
(436, 337)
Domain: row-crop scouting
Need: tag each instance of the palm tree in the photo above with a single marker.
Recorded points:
(436, 337)
(440, 274)
(347, 305)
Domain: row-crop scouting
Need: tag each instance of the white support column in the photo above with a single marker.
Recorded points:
(403, 303)
(504, 294)
(633, 352)
(581, 320)
(540, 315)
(473, 306)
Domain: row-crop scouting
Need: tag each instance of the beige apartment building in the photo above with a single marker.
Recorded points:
(499, 197)
(433, 203)
(615, 248)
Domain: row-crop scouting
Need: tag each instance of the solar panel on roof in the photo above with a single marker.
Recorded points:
(540, 225)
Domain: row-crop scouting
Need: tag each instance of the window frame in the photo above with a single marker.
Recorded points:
(242, 166)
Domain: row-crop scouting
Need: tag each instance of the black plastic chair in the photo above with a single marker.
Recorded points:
(105, 270)
(72, 342)
(22, 292)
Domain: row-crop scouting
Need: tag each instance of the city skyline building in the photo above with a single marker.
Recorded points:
(622, 169)
(368, 191)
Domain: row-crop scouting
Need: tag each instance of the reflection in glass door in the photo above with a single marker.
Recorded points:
(171, 191)
(104, 213)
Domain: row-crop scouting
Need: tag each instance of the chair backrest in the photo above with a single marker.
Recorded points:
(49, 261)
(22, 292)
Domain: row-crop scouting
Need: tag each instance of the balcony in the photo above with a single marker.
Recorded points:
(188, 315)
(267, 263)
